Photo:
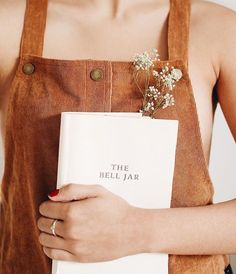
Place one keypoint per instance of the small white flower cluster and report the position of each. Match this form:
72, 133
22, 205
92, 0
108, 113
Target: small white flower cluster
149, 107
152, 93
151, 96
168, 76
169, 100
145, 60
153, 100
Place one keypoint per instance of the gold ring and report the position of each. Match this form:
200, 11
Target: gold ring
53, 227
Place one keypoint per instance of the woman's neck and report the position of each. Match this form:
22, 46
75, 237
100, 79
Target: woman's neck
110, 8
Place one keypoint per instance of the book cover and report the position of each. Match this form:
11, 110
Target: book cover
131, 156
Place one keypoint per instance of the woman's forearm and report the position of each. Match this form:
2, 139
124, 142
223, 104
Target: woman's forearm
90, 215
190, 231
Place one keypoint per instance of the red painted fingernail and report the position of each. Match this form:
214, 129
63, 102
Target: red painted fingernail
54, 193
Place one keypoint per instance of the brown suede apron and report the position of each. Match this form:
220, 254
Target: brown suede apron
43, 88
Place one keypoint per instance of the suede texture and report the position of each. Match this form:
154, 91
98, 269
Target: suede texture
32, 137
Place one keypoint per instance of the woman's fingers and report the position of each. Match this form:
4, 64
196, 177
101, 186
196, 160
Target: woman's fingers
58, 254
75, 192
54, 210
44, 224
52, 242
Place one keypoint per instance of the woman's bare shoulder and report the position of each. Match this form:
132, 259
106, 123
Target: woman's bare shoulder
10, 8
11, 25
212, 14
11, 17
210, 5
212, 30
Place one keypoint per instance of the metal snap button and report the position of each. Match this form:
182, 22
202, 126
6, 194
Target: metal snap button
96, 74
28, 68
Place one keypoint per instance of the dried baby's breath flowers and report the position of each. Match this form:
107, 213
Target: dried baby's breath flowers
145, 61
158, 95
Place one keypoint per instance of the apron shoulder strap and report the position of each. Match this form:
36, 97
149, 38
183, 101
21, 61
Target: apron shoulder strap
178, 30
34, 26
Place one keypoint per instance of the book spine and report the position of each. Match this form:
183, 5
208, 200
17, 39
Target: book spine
62, 157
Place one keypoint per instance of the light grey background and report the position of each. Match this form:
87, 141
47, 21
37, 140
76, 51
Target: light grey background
223, 154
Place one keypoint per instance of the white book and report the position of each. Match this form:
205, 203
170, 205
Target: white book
131, 156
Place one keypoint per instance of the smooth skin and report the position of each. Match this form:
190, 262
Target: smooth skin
91, 215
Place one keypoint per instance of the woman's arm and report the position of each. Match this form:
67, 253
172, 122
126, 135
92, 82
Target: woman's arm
192, 231
98, 218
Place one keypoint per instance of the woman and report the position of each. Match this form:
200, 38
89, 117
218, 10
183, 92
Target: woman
39, 85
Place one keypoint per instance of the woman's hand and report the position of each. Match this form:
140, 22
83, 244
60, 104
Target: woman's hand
94, 225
